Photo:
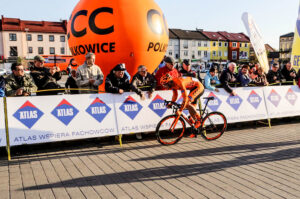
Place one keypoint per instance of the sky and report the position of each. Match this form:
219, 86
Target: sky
273, 17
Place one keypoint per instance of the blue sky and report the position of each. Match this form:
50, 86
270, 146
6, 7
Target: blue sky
274, 17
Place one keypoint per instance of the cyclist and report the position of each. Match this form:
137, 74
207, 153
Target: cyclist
189, 100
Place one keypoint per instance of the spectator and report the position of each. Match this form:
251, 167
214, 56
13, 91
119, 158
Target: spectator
186, 70
168, 68
45, 78
211, 79
243, 76
89, 76
143, 81
289, 73
69, 68
298, 77
274, 75
71, 82
18, 83
253, 71
117, 81
261, 79
227, 77
2, 86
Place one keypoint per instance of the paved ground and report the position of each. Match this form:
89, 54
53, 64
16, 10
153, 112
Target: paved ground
248, 163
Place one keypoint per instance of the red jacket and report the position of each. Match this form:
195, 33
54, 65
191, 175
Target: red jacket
161, 72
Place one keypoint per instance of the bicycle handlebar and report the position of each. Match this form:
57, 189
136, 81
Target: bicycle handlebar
174, 104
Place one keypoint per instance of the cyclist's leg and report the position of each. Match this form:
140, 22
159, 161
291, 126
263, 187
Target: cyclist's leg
193, 98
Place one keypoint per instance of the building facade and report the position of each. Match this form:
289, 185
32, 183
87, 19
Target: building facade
218, 46
26, 39
285, 47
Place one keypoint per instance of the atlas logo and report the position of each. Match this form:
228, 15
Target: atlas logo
131, 107
274, 98
98, 110
291, 97
254, 99
28, 114
214, 104
158, 106
65, 112
235, 102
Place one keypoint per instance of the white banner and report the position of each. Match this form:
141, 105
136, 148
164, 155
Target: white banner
256, 40
134, 115
2, 125
57, 118
282, 101
248, 105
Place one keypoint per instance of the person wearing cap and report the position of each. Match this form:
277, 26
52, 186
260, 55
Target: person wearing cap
117, 81
89, 76
211, 79
45, 78
186, 70
167, 69
18, 83
274, 76
143, 81
289, 73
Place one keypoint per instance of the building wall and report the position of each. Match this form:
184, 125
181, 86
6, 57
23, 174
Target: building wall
233, 49
245, 50
1, 44
285, 47
218, 52
22, 44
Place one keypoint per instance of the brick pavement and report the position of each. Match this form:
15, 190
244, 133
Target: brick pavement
247, 163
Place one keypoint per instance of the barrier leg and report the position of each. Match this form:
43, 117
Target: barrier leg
120, 140
269, 121
6, 130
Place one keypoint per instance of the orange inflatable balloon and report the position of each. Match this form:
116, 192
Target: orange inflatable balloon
133, 32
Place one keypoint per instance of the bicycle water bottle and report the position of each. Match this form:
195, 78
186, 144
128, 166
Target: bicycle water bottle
192, 121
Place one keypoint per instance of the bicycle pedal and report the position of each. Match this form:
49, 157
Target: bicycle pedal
193, 135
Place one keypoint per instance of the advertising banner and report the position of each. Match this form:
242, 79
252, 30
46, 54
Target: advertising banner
2, 125
282, 101
295, 59
134, 115
248, 105
57, 118
256, 40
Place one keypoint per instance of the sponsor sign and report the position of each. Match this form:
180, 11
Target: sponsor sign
57, 118
2, 125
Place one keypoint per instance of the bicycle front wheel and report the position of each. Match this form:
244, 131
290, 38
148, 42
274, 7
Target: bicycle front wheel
213, 126
170, 130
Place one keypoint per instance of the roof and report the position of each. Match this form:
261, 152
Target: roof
188, 34
269, 48
172, 35
14, 24
291, 34
235, 37
214, 36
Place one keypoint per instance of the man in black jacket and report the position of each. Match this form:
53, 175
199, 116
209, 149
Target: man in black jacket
228, 77
117, 81
289, 73
143, 81
45, 78
274, 76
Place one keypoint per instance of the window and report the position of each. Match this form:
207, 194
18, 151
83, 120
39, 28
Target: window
225, 44
199, 53
214, 53
234, 44
176, 56
186, 53
62, 50
246, 54
199, 44
220, 53
40, 37
52, 50
170, 53
193, 43
193, 55
29, 37
205, 53
170, 43
214, 44
246, 45
62, 38
29, 49
205, 44
41, 50
234, 55
185, 44
12, 37
225, 54
220, 44
51, 38
241, 45
13, 51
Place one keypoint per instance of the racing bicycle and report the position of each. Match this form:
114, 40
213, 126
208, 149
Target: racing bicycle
171, 128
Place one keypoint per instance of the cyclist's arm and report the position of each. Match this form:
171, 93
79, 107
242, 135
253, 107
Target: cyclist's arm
175, 95
185, 99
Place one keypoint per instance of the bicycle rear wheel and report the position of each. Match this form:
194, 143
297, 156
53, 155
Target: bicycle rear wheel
168, 131
213, 126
